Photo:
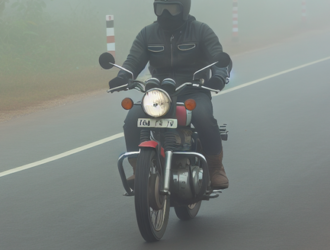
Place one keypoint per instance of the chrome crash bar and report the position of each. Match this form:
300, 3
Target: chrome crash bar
123, 177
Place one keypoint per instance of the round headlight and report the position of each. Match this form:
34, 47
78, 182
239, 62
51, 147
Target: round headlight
156, 103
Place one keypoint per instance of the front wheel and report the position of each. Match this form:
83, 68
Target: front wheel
188, 212
152, 209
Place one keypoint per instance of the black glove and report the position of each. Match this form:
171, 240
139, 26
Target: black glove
116, 82
215, 83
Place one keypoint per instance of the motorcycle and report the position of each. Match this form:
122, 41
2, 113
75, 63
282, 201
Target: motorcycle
171, 170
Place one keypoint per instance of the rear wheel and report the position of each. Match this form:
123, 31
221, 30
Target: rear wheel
152, 209
188, 212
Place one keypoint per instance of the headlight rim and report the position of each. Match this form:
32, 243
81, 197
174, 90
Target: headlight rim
160, 90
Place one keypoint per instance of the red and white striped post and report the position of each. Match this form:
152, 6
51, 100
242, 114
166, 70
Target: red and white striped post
111, 45
235, 20
304, 10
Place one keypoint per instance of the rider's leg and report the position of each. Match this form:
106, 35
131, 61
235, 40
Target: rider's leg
209, 134
132, 133
219, 179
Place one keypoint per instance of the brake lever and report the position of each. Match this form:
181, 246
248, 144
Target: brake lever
212, 90
117, 88
196, 84
200, 84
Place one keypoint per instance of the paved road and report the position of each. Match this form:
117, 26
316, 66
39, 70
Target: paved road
277, 160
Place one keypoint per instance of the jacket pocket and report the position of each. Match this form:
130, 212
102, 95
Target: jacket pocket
187, 46
187, 54
157, 55
156, 48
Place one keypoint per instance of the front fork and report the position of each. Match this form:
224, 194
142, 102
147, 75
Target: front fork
167, 173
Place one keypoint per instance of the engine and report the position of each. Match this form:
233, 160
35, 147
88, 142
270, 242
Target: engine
186, 179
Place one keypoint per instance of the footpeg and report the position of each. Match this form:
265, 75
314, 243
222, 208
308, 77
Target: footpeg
207, 197
214, 191
212, 194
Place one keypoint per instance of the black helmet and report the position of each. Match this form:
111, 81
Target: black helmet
175, 7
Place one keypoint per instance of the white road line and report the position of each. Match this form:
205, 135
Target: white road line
57, 157
271, 76
114, 137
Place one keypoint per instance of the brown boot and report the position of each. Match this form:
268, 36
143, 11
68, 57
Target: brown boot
131, 179
217, 172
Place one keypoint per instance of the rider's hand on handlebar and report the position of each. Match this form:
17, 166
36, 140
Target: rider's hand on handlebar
117, 82
215, 83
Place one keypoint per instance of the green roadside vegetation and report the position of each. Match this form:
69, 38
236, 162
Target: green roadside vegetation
41, 59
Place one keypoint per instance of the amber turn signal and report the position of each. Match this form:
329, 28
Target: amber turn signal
190, 104
127, 103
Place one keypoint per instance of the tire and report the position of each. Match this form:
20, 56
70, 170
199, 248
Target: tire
188, 212
152, 209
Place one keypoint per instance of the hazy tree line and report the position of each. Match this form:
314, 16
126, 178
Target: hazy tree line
32, 40
66, 35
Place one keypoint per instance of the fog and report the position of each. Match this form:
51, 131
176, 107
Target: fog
61, 133
42, 37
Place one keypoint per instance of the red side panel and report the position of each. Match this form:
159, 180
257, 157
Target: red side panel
181, 115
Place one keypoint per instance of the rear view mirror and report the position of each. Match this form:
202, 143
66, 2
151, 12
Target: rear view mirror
107, 60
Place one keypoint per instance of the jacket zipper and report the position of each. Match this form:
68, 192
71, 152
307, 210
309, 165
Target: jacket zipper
171, 40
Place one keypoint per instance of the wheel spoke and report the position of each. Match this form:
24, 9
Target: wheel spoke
157, 221
157, 217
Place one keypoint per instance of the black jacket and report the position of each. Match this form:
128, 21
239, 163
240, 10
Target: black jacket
176, 54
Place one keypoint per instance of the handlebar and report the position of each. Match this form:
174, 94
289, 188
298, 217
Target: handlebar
140, 86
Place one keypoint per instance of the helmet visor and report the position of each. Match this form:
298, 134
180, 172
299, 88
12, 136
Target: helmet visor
173, 8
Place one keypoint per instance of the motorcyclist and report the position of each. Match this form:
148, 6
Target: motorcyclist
176, 46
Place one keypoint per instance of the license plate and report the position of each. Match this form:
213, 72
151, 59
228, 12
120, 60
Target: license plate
157, 123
